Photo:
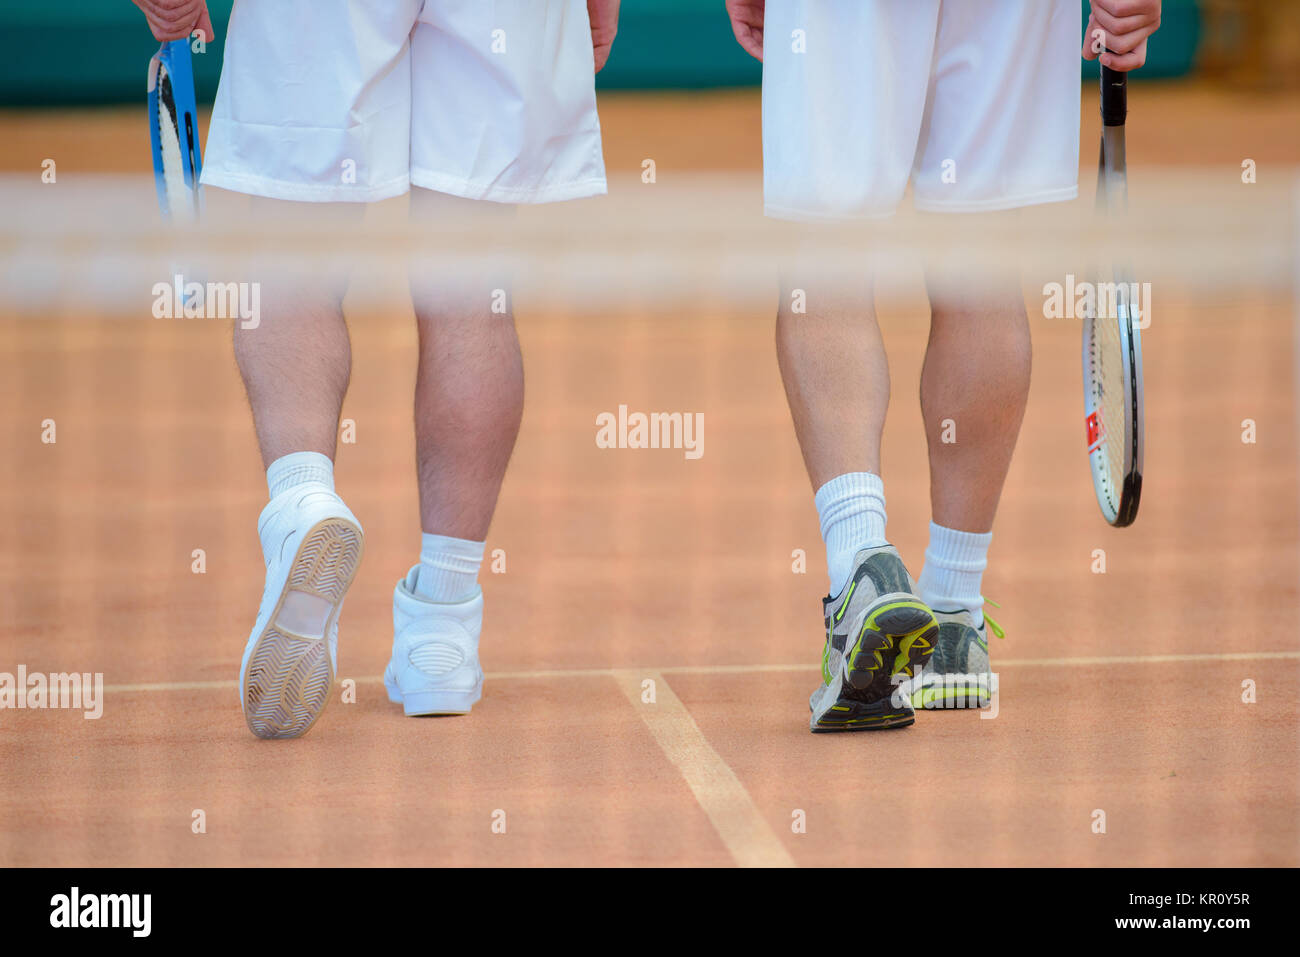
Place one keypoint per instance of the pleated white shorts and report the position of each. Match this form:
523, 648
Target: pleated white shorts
974, 102
357, 100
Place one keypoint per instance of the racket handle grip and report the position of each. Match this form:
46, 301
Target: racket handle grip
1114, 96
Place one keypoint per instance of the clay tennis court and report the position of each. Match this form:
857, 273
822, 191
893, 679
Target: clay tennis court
1120, 692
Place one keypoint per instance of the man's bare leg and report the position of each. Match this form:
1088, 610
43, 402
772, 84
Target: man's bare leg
469, 397
295, 363
974, 388
877, 631
297, 360
469, 390
976, 374
836, 377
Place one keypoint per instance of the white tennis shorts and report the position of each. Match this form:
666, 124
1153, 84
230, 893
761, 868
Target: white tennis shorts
357, 100
976, 102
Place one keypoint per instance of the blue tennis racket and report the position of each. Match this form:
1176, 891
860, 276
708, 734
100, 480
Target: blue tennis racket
177, 154
174, 132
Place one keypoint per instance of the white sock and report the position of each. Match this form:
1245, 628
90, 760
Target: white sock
448, 568
852, 512
297, 468
954, 565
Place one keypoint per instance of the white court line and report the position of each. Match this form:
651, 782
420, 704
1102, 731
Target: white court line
740, 824
1081, 662
1145, 659
1295, 328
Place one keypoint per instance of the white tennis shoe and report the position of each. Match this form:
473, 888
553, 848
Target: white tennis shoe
434, 668
312, 545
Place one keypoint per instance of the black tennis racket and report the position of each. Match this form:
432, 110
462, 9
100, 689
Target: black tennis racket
1112, 338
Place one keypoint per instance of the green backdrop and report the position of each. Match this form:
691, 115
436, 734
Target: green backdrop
95, 51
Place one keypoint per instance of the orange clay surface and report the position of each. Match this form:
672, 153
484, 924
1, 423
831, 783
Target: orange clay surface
1120, 692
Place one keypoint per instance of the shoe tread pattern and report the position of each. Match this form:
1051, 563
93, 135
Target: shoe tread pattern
865, 699
288, 678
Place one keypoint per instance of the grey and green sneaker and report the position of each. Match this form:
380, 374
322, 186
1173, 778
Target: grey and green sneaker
958, 674
877, 634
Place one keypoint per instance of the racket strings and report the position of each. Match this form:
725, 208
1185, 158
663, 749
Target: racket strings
1110, 383
1106, 387
180, 199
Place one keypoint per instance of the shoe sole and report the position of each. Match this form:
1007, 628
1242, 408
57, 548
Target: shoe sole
896, 628
289, 675
849, 715
955, 696
426, 703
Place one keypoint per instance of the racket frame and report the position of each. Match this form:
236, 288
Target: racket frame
171, 87
174, 61
1117, 496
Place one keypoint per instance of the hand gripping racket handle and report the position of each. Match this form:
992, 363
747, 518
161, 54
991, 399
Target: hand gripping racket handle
1114, 96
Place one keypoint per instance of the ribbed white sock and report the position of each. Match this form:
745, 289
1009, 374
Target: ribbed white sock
852, 512
297, 468
448, 568
954, 566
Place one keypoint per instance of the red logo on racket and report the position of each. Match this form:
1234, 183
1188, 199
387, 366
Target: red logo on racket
1095, 431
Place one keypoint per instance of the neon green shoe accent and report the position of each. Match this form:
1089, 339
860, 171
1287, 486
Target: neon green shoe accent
993, 625
903, 662
858, 651
906, 603
924, 697
844, 605
875, 718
